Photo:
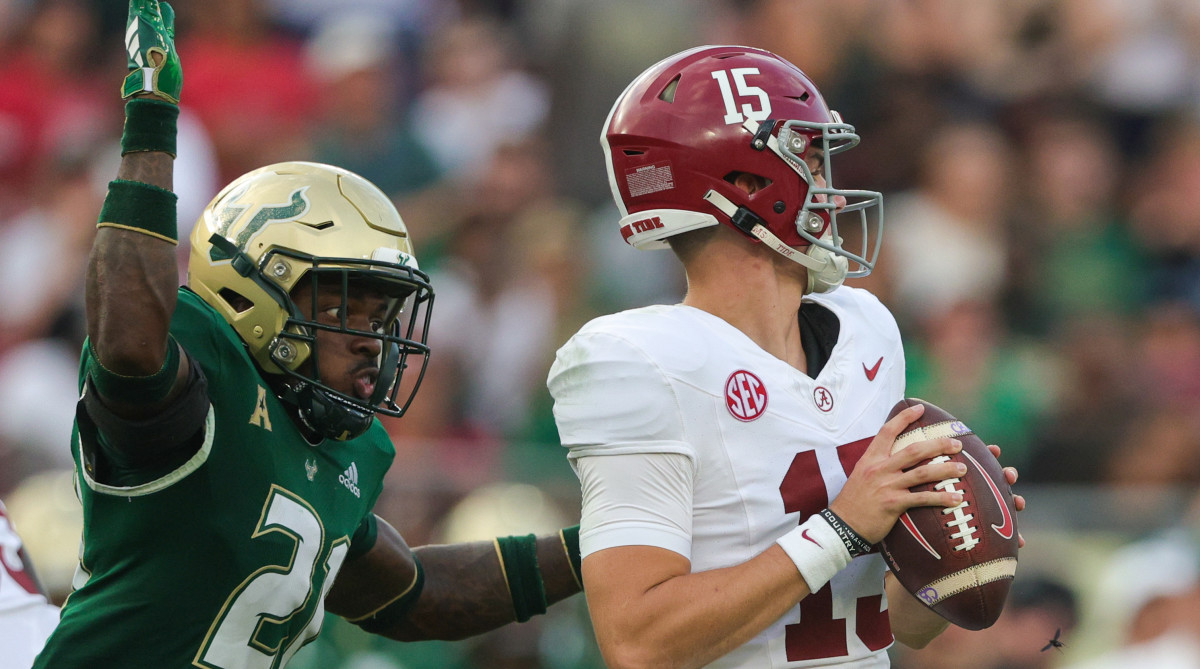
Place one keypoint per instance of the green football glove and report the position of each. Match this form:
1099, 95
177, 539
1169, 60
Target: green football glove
153, 61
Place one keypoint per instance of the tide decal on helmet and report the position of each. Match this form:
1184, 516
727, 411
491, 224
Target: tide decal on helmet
296, 206
640, 226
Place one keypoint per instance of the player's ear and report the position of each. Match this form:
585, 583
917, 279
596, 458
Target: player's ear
750, 183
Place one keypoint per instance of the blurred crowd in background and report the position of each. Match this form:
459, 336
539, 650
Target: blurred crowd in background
1040, 161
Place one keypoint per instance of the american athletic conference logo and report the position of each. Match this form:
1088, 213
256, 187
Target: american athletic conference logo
745, 395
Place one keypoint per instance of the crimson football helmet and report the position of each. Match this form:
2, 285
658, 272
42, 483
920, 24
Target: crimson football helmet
685, 127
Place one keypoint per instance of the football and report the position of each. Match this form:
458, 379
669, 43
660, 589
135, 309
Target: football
959, 561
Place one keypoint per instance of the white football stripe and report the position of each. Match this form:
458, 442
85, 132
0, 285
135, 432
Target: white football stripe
948, 428
133, 44
971, 577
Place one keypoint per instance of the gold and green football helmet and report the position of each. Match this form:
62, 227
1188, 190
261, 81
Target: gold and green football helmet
290, 222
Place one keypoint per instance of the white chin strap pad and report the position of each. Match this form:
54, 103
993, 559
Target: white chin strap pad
831, 275
826, 269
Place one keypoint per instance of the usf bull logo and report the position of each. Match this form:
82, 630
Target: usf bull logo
232, 212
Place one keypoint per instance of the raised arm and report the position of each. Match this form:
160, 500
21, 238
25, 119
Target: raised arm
132, 276
458, 590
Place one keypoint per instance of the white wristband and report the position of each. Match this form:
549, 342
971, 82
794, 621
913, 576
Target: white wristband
817, 550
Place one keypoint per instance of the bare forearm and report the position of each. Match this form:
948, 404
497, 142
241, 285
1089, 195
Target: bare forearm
131, 283
466, 593
913, 623
689, 620
150, 167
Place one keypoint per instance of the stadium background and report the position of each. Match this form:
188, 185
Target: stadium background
1041, 166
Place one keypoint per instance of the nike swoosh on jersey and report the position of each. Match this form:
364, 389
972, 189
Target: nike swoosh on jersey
1006, 529
872, 371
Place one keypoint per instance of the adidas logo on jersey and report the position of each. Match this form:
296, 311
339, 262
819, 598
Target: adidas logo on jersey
349, 478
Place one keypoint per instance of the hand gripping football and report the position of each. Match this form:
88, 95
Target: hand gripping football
959, 561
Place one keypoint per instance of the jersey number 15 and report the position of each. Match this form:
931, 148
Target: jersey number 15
819, 635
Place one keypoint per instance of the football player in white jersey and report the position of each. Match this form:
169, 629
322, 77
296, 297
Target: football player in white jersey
732, 450
26, 615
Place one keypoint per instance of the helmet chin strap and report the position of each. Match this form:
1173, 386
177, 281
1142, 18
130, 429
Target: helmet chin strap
330, 416
832, 274
826, 269
326, 415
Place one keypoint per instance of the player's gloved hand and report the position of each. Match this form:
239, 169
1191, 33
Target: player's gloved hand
153, 62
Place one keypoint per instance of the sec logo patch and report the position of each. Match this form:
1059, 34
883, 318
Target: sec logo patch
745, 395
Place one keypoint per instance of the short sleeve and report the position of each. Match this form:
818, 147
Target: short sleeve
611, 398
364, 537
636, 499
205, 335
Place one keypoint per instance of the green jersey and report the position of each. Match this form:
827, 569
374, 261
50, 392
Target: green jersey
224, 561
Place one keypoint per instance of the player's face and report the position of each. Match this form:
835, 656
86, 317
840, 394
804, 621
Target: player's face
816, 164
347, 362
815, 160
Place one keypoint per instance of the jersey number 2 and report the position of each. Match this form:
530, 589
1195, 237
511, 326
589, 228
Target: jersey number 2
819, 635
252, 630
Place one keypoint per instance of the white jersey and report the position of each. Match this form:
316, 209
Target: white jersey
26, 618
764, 447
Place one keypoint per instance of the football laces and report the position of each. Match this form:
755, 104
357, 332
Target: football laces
961, 520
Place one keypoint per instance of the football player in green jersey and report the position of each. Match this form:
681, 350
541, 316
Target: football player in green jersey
226, 442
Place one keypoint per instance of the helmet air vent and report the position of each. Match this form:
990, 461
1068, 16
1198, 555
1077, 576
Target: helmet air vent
235, 300
319, 226
668, 92
762, 181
